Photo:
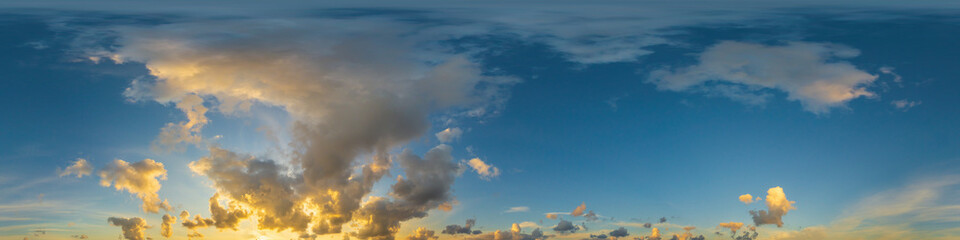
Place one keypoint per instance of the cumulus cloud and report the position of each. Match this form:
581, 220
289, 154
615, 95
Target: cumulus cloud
579, 210
449, 135
140, 178
422, 234
810, 73
551, 216
132, 227
663, 219
486, 171
427, 185
465, 229
79, 167
517, 209
777, 207
619, 232
733, 226
654, 234
566, 227
165, 225
746, 198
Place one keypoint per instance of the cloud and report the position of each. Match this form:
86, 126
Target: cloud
565, 227
904, 104
663, 219
810, 73
579, 210
165, 229
132, 227
486, 171
449, 135
183, 132
197, 222
591, 216
81, 236
427, 185
551, 216
518, 209
352, 87
422, 234
529, 225
777, 207
923, 209
746, 198
465, 229
140, 178
654, 234
733, 226
620, 232
80, 167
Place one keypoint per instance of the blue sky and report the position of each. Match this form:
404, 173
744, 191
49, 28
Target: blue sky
638, 110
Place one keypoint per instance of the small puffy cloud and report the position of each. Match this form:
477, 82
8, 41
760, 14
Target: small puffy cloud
565, 227
620, 232
422, 234
449, 135
647, 225
165, 225
518, 209
809, 73
777, 207
663, 219
551, 216
579, 210
654, 234
140, 178
746, 198
465, 229
733, 226
486, 171
80, 167
132, 227
904, 104
515, 228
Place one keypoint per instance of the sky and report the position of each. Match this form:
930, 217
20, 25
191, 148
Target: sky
479, 120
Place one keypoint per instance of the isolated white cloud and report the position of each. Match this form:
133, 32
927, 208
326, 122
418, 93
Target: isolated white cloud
810, 73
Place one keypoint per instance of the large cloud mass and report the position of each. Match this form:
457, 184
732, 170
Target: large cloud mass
354, 90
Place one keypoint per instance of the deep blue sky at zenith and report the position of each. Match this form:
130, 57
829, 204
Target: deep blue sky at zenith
569, 131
